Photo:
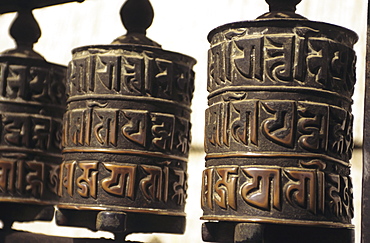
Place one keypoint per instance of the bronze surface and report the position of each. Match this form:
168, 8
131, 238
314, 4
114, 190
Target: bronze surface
278, 132
32, 105
126, 133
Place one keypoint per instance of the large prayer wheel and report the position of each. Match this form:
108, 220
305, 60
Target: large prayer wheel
279, 125
127, 133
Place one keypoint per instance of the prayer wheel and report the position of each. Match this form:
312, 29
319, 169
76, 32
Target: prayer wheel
32, 105
126, 133
278, 132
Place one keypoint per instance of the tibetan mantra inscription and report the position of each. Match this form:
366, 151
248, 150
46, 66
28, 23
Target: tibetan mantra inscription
279, 124
32, 106
164, 183
127, 130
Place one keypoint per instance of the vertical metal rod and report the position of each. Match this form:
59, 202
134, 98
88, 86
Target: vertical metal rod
365, 219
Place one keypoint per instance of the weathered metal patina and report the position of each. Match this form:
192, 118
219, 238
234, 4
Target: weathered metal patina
32, 105
127, 133
279, 129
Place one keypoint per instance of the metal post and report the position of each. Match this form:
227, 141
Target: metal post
365, 209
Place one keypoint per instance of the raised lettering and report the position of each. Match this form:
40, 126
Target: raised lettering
225, 187
179, 187
7, 176
87, 182
250, 65
163, 130
136, 129
263, 188
207, 188
280, 127
301, 190
121, 181
279, 58
35, 178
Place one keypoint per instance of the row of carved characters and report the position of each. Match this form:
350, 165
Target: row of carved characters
302, 59
30, 132
271, 189
28, 179
108, 181
126, 128
31, 83
136, 75
270, 125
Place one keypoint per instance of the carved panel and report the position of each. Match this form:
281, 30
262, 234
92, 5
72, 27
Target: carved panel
262, 191
22, 179
135, 73
279, 125
37, 81
32, 106
122, 184
304, 57
126, 128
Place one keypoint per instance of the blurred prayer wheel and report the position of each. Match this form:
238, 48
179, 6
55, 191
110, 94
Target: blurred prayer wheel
127, 133
32, 105
279, 127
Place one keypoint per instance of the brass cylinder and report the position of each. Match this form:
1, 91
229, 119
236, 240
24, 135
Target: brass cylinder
279, 123
32, 105
126, 137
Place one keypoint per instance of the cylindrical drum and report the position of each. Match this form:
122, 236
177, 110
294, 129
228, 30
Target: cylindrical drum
126, 137
279, 123
32, 104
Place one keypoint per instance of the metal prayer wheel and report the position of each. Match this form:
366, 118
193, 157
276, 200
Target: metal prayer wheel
32, 105
278, 132
126, 133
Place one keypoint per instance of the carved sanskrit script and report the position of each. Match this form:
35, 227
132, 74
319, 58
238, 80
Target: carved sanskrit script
27, 178
32, 83
276, 189
128, 181
303, 58
30, 131
137, 74
107, 127
291, 125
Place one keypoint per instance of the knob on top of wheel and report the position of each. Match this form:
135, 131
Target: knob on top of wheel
282, 9
137, 16
26, 32
283, 5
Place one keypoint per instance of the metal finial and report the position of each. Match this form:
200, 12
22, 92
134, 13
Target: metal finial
282, 9
283, 5
137, 16
26, 32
